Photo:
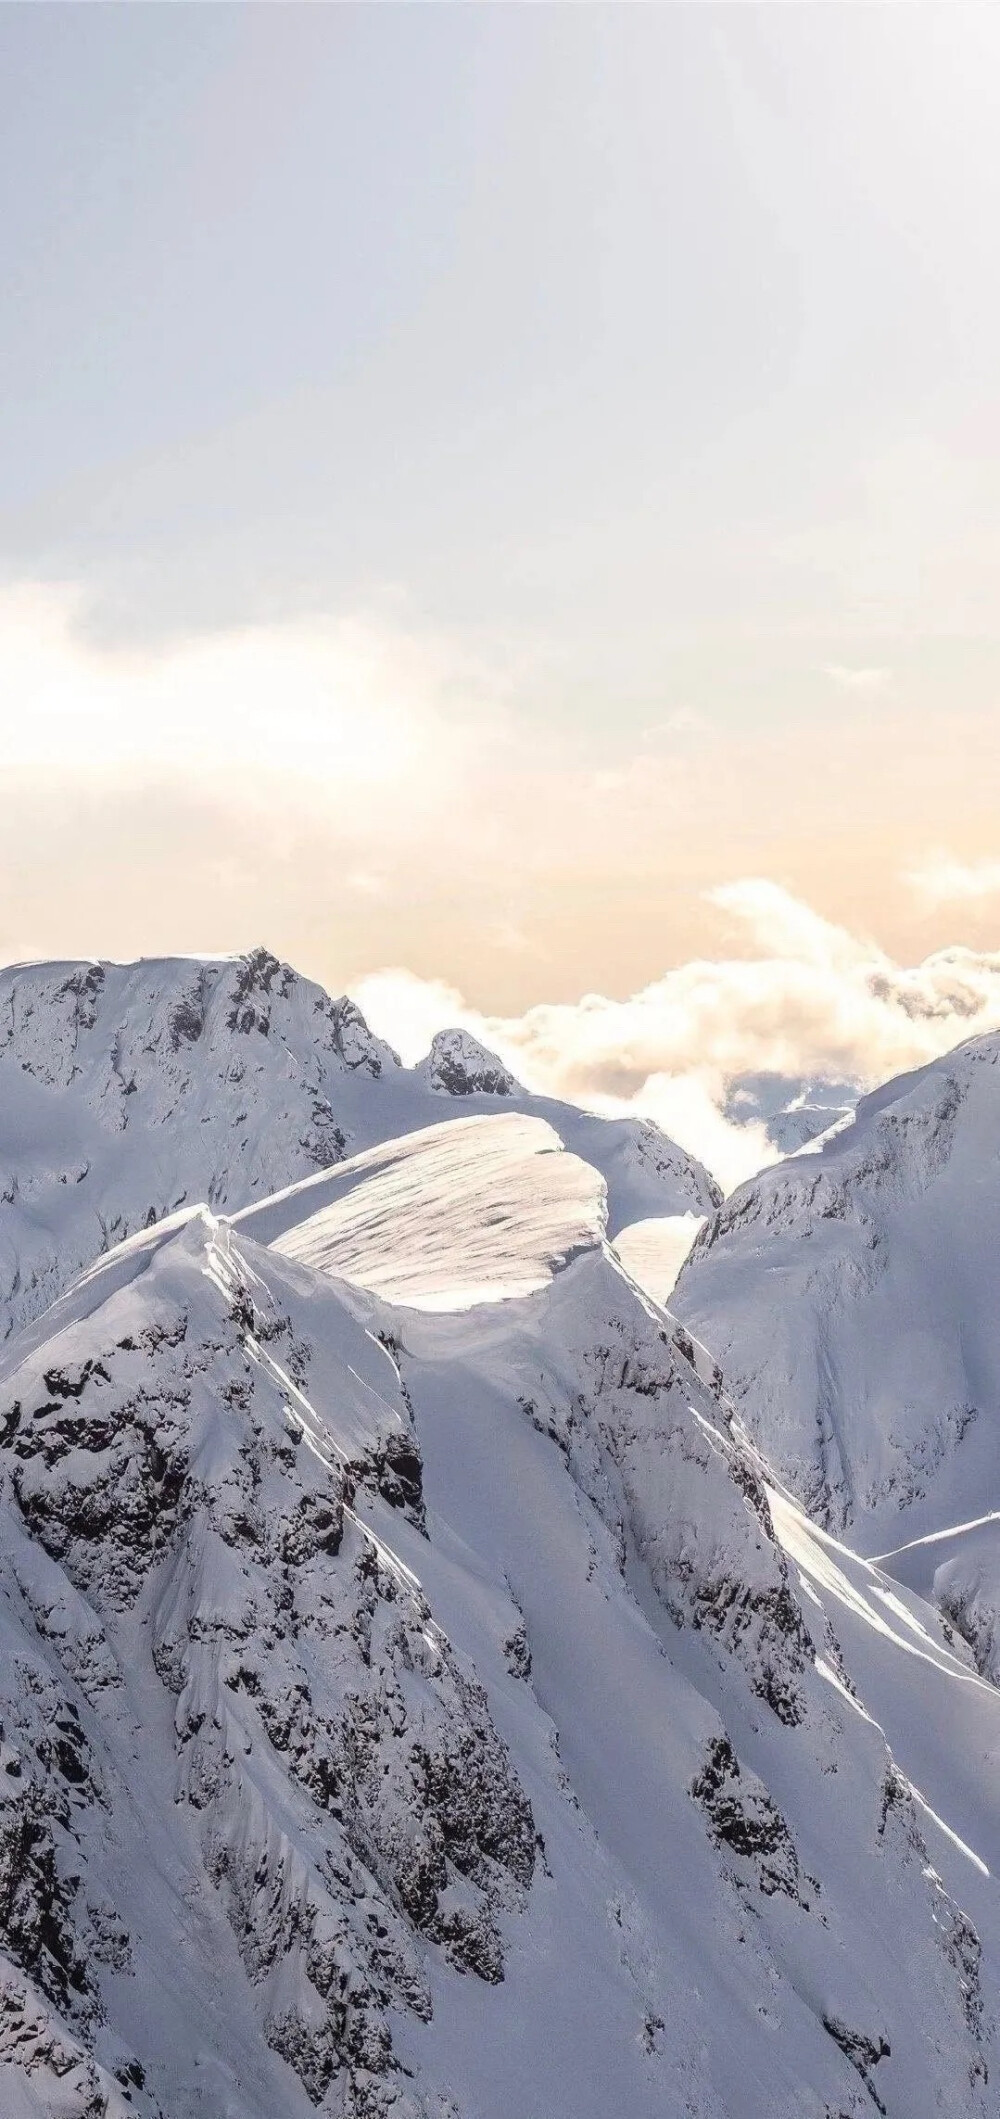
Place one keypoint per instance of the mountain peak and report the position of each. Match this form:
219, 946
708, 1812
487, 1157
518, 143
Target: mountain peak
458, 1065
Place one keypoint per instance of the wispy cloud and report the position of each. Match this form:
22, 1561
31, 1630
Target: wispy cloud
415, 1008
941, 880
366, 883
358, 795
318, 705
852, 677
680, 721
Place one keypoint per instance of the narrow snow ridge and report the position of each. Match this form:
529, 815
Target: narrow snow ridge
455, 1215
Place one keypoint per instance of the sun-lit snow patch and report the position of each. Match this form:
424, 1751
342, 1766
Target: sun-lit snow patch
653, 1251
477, 1210
962, 1845
855, 1585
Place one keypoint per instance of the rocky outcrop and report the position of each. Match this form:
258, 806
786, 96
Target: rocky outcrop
458, 1065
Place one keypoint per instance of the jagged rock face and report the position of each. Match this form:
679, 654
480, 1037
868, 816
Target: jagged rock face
458, 1065
129, 1030
846, 1294
181, 1518
646, 1148
743, 1819
651, 1442
128, 1090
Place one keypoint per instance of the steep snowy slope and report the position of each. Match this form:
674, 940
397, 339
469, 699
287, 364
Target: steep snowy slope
128, 1090
409, 1709
941, 1719
851, 1297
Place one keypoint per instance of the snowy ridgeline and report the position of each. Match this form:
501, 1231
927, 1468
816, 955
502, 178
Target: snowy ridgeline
128, 1091
409, 1706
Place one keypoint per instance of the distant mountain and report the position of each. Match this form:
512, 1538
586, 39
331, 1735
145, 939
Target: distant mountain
127, 1091
793, 1109
409, 1710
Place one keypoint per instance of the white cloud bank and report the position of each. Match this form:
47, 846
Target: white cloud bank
813, 1000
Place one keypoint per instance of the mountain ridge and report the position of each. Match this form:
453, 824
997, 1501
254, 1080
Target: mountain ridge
127, 1090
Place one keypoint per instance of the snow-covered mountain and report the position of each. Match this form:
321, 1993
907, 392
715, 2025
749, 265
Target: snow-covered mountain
409, 1707
420, 1696
127, 1091
850, 1296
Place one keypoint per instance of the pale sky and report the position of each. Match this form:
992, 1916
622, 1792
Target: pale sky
474, 480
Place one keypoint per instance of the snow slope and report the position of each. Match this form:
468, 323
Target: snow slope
409, 1709
654, 1251
851, 1297
446, 1218
127, 1091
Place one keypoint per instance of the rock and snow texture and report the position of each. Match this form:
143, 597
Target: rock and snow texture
851, 1297
458, 1065
247, 1784
408, 1707
128, 1091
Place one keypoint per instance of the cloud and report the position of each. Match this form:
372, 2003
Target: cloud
416, 1008
680, 721
943, 881
513, 939
365, 883
852, 677
815, 1001
782, 926
306, 707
